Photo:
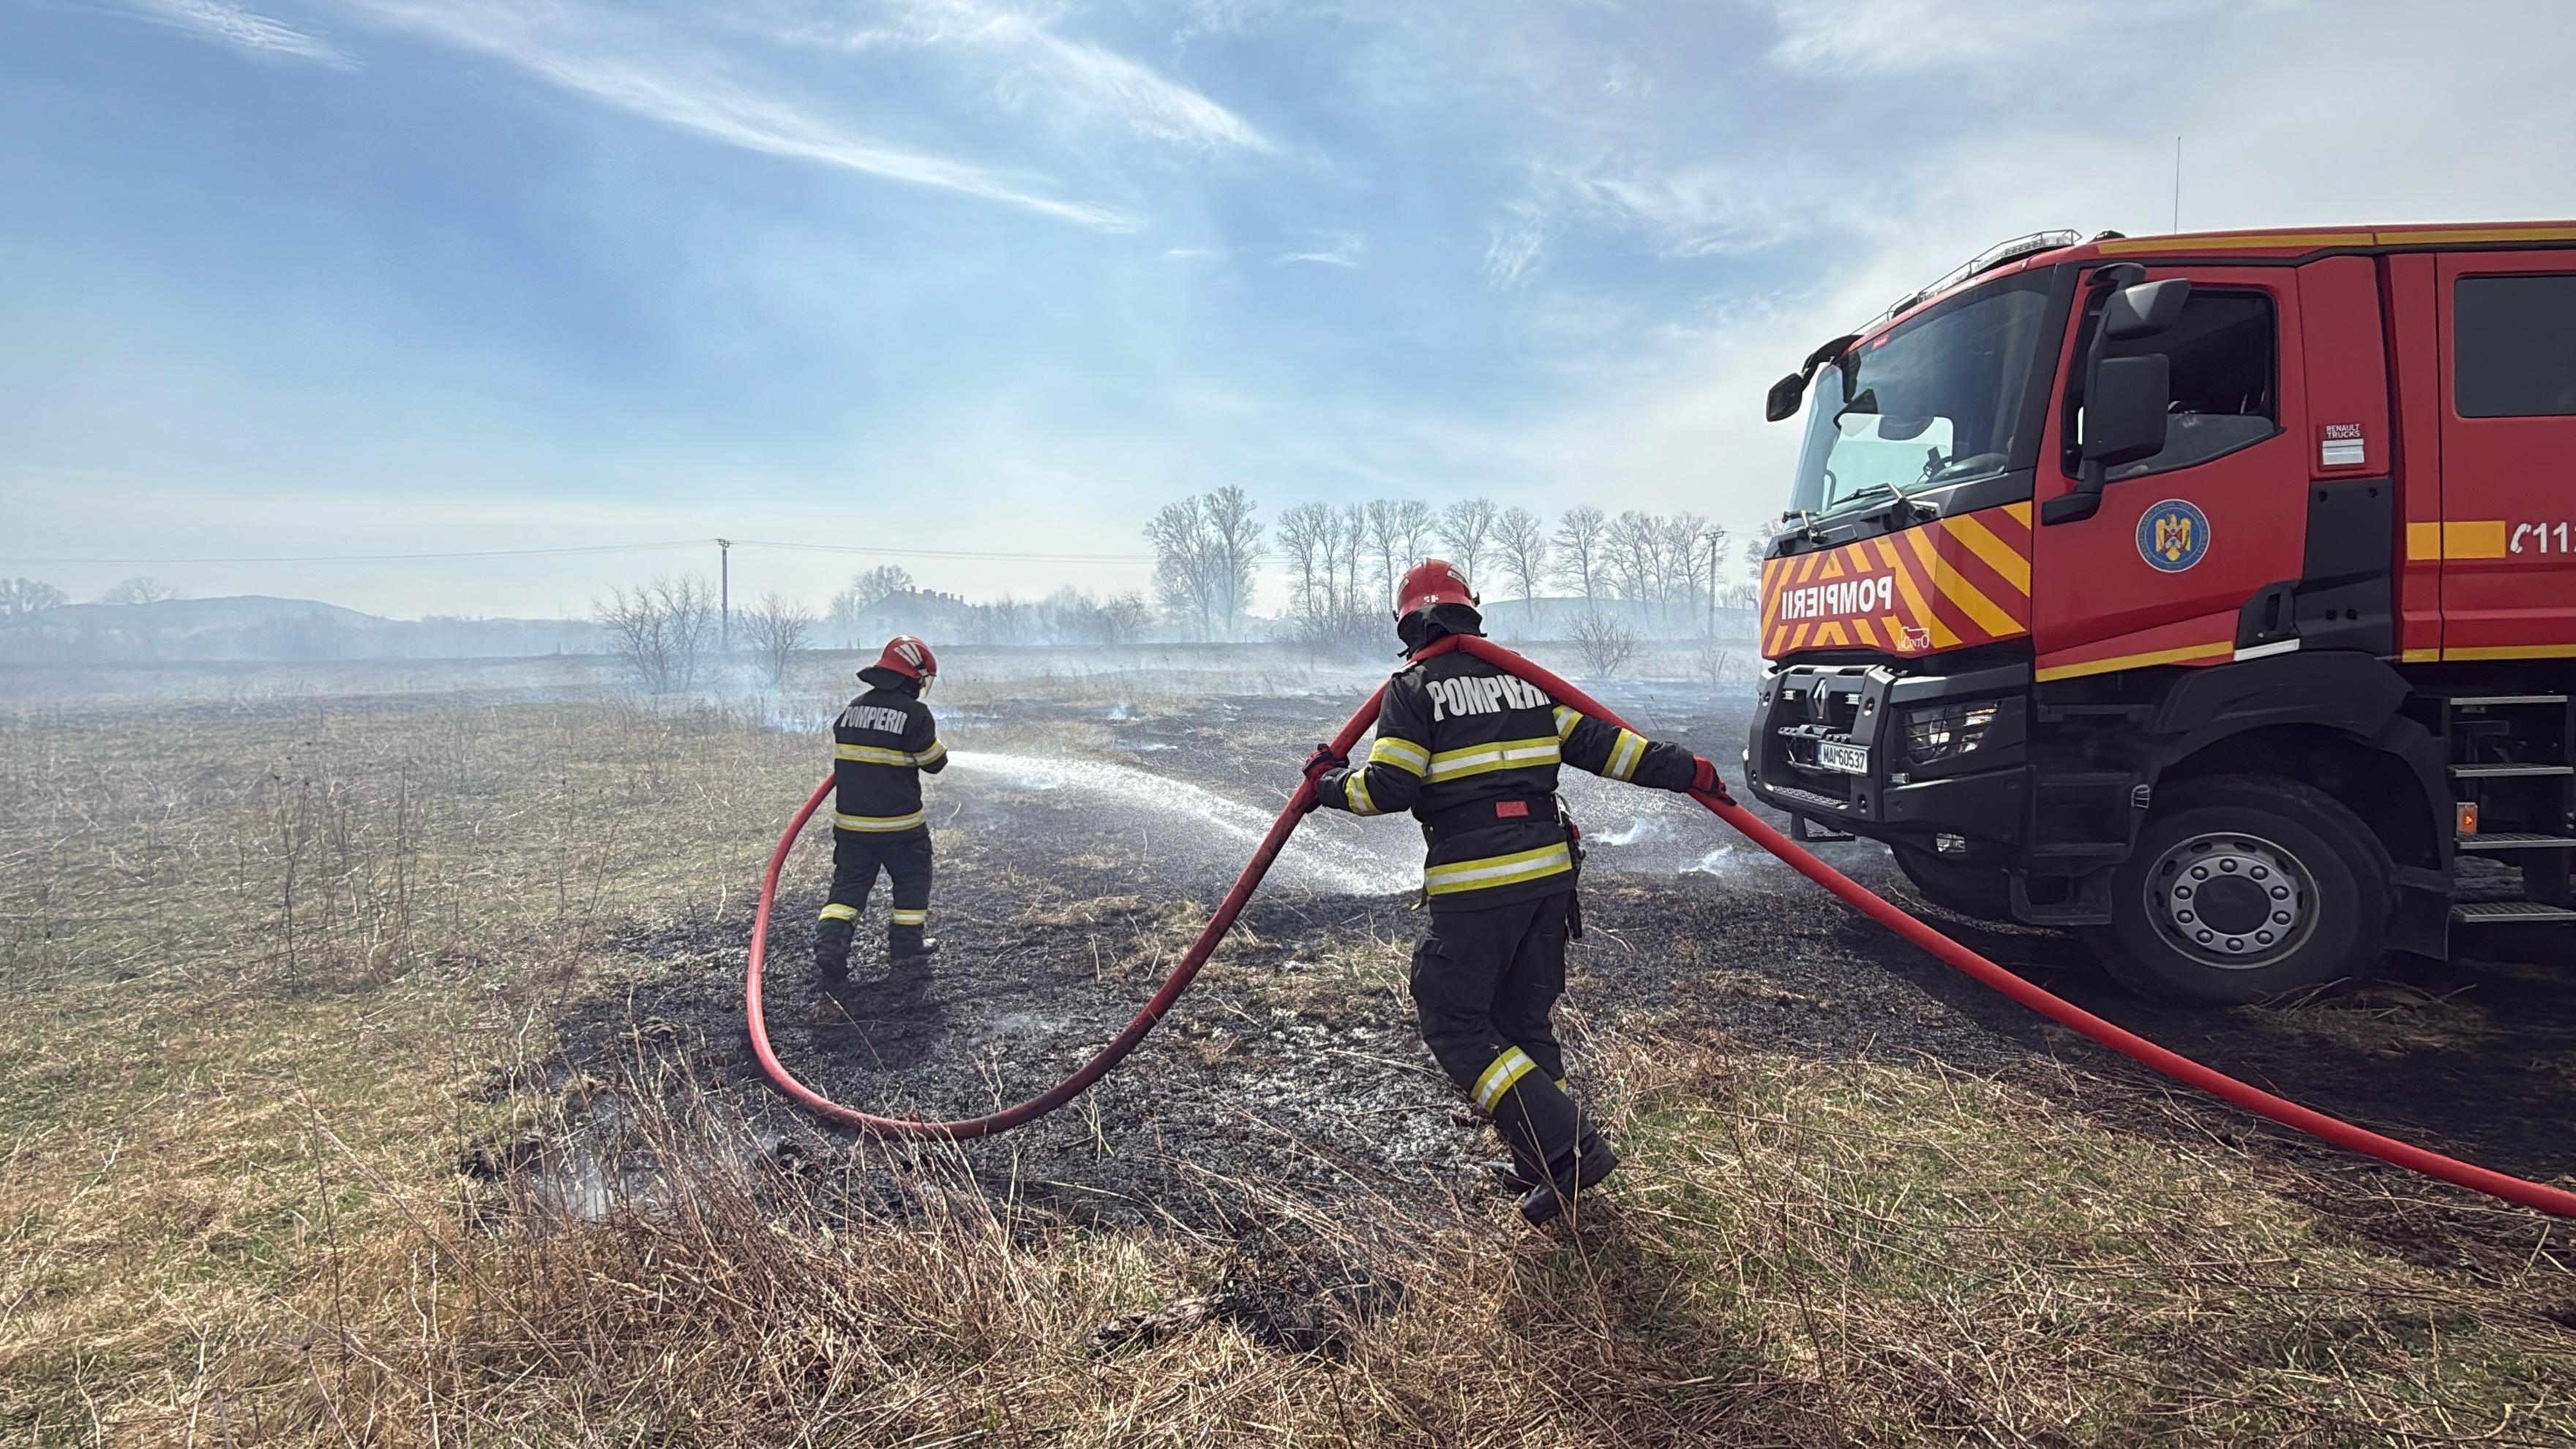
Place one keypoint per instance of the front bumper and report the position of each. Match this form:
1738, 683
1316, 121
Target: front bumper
1979, 796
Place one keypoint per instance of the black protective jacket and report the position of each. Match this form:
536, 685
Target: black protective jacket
880, 746
1472, 751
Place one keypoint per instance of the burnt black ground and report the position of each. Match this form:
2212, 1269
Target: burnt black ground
1065, 894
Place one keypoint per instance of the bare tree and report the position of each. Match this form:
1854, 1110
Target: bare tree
866, 590
1308, 534
1466, 528
1234, 537
1520, 536
778, 631
1605, 644
1123, 618
1397, 530
1328, 610
1005, 620
1578, 549
1632, 555
661, 629
1179, 534
1413, 519
140, 589
1386, 541
24, 598
1354, 548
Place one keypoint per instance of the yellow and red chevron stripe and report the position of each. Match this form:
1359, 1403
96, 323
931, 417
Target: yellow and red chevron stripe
1941, 585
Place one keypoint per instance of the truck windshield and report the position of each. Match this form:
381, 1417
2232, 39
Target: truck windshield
1932, 402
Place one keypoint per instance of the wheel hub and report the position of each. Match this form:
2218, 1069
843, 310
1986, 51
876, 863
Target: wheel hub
2234, 901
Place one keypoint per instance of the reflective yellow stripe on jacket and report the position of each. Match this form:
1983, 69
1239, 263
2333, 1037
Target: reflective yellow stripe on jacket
1355, 794
875, 824
1625, 755
1497, 870
1500, 755
876, 755
1404, 755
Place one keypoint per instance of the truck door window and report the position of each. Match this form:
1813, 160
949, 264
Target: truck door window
2226, 364
2514, 346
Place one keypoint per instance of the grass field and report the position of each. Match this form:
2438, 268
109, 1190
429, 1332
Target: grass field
287, 986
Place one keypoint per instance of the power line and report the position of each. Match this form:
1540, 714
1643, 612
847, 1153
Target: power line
976, 554
602, 548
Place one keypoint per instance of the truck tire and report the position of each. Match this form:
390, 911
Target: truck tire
1981, 893
2243, 887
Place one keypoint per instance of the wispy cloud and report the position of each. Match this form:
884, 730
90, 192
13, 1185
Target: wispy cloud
242, 29
1515, 243
1901, 37
1150, 103
667, 84
1331, 249
1037, 67
1677, 213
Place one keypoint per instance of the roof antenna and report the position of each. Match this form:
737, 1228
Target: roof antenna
2177, 217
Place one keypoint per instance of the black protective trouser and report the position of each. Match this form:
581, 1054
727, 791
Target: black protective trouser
857, 856
1484, 982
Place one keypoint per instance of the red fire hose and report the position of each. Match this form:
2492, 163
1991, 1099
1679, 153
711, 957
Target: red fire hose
2129, 1044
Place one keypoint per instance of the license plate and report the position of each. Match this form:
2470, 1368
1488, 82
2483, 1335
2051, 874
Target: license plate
1849, 759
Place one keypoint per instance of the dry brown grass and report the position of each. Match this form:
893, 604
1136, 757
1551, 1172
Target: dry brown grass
232, 1212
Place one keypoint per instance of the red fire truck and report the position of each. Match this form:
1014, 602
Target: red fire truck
2212, 594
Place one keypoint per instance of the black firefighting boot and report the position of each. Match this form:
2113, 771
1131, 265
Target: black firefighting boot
1581, 1169
1516, 1174
1535, 1119
832, 948
907, 948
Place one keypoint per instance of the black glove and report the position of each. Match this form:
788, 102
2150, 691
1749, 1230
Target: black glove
1704, 779
1325, 758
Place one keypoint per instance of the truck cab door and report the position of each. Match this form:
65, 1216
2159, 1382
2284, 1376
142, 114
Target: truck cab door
2507, 538
2161, 574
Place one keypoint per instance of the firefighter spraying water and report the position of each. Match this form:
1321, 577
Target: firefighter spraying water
1472, 751
880, 745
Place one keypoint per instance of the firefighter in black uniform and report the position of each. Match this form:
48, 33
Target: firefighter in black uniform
1473, 752
880, 746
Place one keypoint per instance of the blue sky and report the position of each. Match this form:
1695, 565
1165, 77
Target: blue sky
332, 276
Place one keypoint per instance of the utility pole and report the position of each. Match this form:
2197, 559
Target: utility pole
724, 594
1713, 541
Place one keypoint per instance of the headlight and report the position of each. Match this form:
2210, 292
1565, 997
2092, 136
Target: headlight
1942, 731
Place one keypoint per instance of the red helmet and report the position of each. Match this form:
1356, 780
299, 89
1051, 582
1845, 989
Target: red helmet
1432, 581
908, 656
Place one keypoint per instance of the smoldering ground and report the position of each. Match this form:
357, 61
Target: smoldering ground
1082, 842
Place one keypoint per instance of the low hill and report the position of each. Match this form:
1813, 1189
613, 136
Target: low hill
260, 627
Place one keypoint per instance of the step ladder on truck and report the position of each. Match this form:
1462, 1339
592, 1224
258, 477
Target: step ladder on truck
2211, 595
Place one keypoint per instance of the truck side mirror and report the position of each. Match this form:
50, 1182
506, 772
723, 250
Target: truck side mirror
2124, 415
1782, 403
2125, 398
2145, 309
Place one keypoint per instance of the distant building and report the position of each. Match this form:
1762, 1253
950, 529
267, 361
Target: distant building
925, 612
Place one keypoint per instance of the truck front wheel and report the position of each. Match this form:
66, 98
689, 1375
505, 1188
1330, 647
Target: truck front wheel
2246, 886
